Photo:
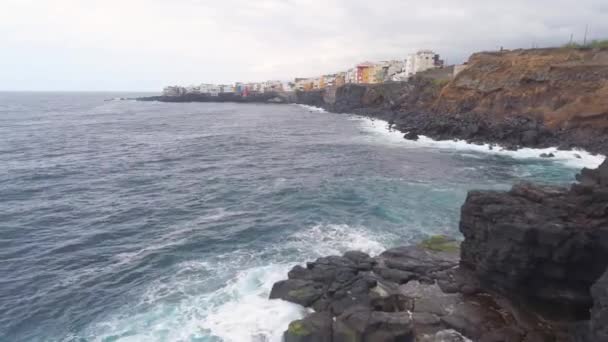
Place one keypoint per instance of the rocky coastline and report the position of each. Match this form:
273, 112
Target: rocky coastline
522, 98
533, 266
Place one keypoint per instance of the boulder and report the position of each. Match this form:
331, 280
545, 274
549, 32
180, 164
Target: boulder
303, 292
411, 135
544, 246
360, 324
316, 327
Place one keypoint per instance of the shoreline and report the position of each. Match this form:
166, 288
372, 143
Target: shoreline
544, 280
576, 158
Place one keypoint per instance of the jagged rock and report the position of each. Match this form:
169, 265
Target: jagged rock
599, 313
543, 245
418, 260
360, 324
316, 327
525, 250
411, 135
593, 177
303, 292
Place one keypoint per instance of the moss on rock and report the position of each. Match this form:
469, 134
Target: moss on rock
297, 328
440, 243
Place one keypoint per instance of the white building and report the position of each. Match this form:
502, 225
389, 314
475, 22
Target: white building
273, 86
351, 76
205, 88
225, 88
214, 90
421, 61
174, 91
193, 89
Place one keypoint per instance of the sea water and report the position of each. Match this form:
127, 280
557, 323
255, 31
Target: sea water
147, 221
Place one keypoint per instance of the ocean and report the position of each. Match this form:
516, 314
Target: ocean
147, 221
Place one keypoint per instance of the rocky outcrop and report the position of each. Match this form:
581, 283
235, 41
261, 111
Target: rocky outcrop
415, 293
544, 245
563, 88
532, 98
533, 266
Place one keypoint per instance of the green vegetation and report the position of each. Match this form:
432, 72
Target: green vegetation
298, 329
440, 243
594, 44
440, 83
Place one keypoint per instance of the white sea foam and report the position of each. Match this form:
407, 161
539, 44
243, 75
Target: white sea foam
312, 108
328, 239
249, 315
191, 305
572, 158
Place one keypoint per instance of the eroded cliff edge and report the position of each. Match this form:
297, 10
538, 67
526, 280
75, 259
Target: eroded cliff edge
534, 98
532, 267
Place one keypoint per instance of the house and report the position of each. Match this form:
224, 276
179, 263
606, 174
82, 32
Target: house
329, 80
303, 84
378, 72
214, 90
273, 86
193, 89
365, 72
351, 76
340, 79
205, 88
317, 82
225, 88
421, 61
174, 91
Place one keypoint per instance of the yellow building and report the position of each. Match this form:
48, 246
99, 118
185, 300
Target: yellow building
365, 72
340, 79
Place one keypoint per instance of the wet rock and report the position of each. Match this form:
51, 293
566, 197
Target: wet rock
417, 260
362, 324
303, 292
547, 155
411, 135
316, 327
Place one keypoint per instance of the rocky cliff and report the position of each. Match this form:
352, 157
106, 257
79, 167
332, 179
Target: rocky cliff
532, 268
563, 88
537, 98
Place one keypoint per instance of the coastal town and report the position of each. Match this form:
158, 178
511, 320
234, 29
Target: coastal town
362, 73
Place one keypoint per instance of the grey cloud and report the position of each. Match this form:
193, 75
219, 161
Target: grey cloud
188, 41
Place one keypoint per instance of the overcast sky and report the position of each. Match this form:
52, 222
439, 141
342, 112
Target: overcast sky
146, 44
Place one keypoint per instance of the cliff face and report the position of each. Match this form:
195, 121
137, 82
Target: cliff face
564, 88
534, 98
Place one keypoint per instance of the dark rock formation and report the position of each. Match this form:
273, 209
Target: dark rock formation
599, 313
531, 98
543, 245
414, 293
533, 267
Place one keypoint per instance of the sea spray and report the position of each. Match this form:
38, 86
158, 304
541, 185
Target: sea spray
570, 158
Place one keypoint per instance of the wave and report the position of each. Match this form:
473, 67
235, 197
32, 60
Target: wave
570, 158
225, 297
312, 108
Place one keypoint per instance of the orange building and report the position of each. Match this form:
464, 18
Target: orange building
365, 72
